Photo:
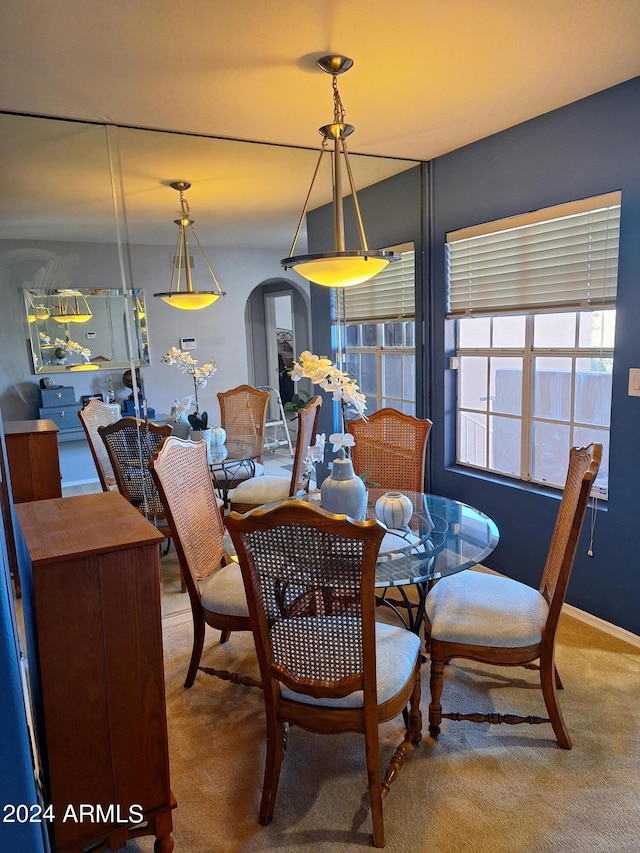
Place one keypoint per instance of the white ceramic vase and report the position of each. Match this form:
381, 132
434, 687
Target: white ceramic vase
203, 435
394, 510
343, 492
181, 426
218, 436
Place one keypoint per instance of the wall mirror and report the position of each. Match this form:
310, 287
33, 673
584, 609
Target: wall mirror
84, 329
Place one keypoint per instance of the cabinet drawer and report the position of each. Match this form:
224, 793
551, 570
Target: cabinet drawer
63, 396
64, 417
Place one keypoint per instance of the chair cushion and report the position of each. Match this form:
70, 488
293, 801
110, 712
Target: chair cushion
396, 652
223, 592
262, 490
486, 610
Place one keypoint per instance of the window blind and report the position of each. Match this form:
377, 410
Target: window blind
390, 295
564, 257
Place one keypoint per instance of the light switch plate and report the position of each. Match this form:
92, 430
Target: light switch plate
634, 381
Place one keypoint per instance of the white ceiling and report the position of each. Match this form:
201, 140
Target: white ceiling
429, 76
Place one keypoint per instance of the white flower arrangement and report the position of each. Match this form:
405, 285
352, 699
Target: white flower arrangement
322, 371
67, 345
45, 340
200, 375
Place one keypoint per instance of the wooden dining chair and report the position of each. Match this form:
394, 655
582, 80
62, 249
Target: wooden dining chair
130, 444
269, 488
390, 449
243, 411
497, 620
95, 414
325, 664
180, 470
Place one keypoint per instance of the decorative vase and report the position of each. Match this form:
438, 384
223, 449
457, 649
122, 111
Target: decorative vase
218, 436
181, 426
203, 435
394, 510
342, 492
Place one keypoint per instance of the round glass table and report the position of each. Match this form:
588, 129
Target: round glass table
443, 536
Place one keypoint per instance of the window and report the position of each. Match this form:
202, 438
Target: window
375, 329
534, 300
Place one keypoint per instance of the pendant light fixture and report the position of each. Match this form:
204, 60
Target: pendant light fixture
71, 306
340, 268
187, 299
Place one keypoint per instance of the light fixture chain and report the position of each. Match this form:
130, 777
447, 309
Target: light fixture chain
339, 112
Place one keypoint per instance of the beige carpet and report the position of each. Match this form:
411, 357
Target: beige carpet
478, 788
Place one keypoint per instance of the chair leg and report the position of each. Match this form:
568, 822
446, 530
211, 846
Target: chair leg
435, 708
196, 654
225, 633
372, 746
276, 743
559, 685
548, 676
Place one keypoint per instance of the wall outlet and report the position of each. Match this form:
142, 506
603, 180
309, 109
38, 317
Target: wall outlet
634, 382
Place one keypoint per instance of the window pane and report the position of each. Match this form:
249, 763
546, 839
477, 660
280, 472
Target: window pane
581, 438
410, 333
509, 331
593, 390
554, 330
472, 382
392, 375
552, 388
506, 385
353, 365
369, 334
409, 409
353, 335
474, 332
409, 378
597, 329
472, 437
504, 445
368, 378
550, 453
392, 335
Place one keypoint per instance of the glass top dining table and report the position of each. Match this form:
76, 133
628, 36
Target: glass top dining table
444, 536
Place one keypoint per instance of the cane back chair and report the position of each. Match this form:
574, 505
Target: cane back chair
181, 473
325, 664
130, 444
390, 449
497, 620
95, 414
243, 411
269, 488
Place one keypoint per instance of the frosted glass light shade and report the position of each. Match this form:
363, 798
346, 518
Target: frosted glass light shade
340, 269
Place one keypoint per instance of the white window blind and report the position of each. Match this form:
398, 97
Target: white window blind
388, 296
563, 257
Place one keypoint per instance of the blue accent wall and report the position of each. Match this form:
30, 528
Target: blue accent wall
587, 148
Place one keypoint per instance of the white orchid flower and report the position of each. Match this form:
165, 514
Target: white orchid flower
341, 439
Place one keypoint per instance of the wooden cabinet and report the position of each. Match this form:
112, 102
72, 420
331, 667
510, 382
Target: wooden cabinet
32, 456
93, 578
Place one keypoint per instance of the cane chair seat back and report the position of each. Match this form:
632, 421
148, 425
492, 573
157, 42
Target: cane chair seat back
243, 410
497, 620
267, 489
325, 665
180, 470
390, 449
130, 444
95, 414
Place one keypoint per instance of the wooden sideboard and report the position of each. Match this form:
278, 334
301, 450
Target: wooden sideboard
92, 588
32, 456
